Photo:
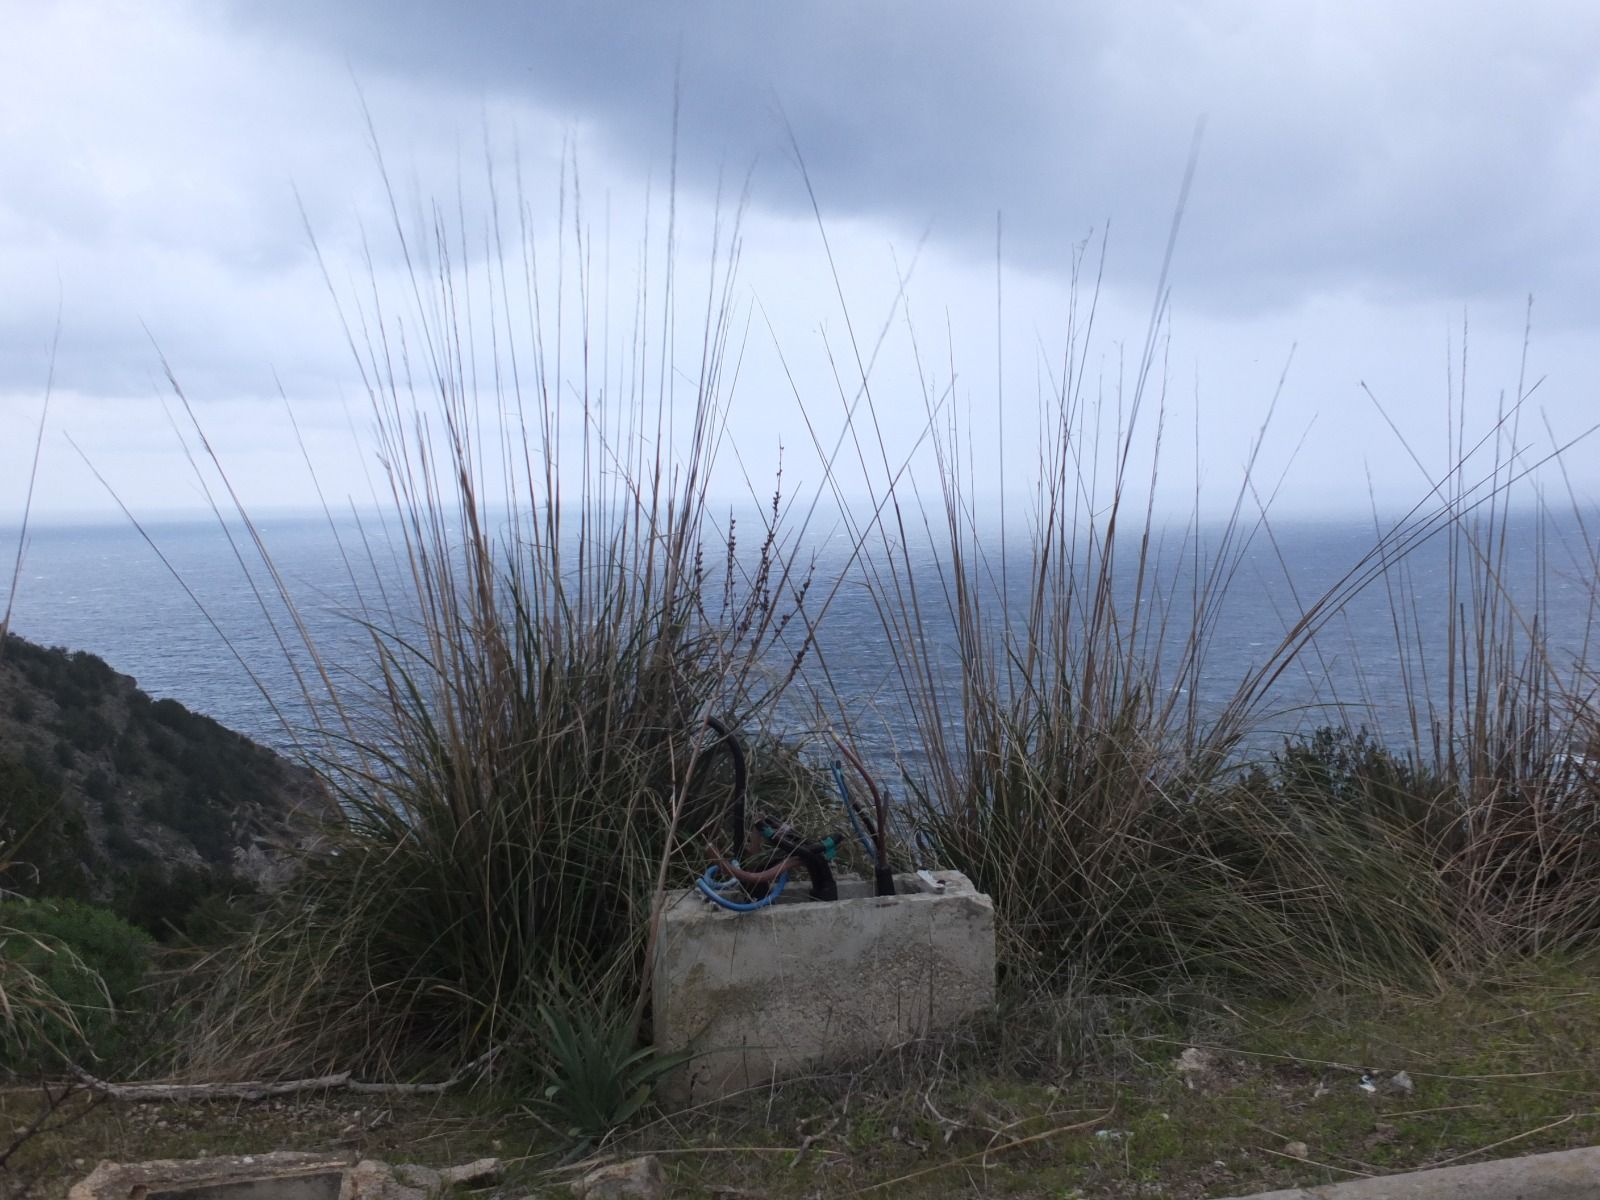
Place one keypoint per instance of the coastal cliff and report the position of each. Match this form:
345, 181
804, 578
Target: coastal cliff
139, 804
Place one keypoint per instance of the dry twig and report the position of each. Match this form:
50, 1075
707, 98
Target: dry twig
984, 1154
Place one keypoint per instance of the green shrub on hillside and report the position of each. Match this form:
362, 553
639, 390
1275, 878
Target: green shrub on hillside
199, 904
1352, 769
89, 958
85, 728
190, 811
128, 755
72, 680
46, 841
98, 787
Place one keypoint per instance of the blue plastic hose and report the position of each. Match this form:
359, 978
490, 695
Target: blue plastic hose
711, 890
850, 811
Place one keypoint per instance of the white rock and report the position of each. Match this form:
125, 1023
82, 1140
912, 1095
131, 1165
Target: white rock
1194, 1064
635, 1179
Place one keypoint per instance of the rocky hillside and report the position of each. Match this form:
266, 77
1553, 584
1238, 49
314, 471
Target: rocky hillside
140, 804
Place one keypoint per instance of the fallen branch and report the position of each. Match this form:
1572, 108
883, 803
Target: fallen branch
180, 1093
183, 1093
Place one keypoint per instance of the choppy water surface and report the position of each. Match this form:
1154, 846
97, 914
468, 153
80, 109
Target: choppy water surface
191, 622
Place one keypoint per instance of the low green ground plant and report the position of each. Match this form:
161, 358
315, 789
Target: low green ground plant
596, 1075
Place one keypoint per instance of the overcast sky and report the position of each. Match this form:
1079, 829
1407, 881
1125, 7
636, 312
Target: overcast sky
1372, 177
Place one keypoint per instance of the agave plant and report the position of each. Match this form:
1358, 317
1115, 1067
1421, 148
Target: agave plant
600, 1077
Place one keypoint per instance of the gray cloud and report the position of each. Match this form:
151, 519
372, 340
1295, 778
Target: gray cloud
1369, 170
1425, 151
156, 197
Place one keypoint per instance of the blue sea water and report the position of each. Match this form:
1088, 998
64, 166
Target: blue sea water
188, 609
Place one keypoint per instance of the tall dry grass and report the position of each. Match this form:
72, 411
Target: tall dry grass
1504, 725
27, 496
521, 770
31, 1012
1051, 668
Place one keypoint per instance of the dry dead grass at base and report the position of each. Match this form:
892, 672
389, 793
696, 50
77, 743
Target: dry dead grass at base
1266, 1099
1087, 1097
433, 1130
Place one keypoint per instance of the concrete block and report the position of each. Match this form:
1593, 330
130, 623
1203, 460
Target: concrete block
763, 995
282, 1175
1559, 1175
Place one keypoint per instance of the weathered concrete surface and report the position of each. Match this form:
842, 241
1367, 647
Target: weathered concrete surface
284, 1175
635, 1179
762, 995
372, 1180
1563, 1175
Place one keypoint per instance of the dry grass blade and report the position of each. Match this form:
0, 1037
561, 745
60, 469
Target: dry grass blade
985, 1154
1525, 1134
1311, 1162
33, 479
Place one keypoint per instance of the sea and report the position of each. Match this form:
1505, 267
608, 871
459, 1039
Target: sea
192, 610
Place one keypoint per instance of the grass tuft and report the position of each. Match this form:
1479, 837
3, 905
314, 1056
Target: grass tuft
521, 769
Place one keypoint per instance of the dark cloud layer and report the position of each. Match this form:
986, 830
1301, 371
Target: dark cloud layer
1370, 171
1418, 151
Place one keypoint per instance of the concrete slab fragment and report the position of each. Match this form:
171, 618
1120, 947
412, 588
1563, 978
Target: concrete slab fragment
283, 1175
1562, 1175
